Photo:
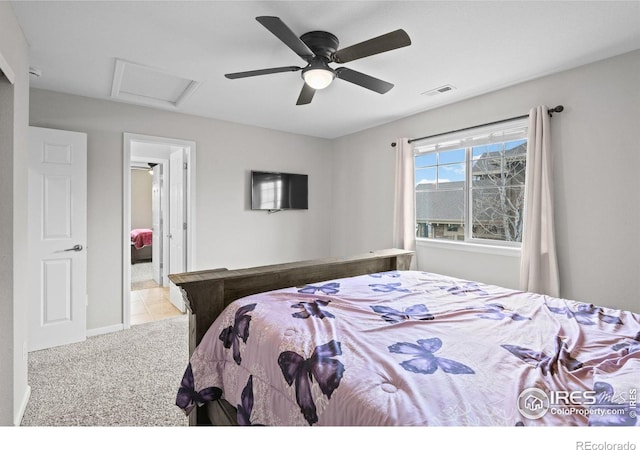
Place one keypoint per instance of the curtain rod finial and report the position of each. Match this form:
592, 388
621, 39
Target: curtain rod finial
557, 109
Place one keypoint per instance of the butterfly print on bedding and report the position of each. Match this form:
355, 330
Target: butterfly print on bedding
328, 288
188, 398
415, 312
585, 314
548, 364
246, 406
615, 413
425, 361
321, 366
469, 287
628, 347
496, 311
232, 335
312, 309
388, 287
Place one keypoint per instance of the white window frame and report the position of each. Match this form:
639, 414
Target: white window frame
467, 139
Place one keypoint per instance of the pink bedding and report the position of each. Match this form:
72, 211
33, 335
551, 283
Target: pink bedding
416, 348
141, 237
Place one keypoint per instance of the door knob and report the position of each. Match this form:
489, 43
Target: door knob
75, 248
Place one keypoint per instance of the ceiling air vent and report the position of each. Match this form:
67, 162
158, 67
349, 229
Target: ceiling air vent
439, 90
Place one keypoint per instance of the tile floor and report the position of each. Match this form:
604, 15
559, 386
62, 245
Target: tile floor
150, 302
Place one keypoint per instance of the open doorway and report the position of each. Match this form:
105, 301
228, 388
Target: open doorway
149, 209
159, 236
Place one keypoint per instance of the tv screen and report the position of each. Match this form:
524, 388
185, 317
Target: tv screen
277, 190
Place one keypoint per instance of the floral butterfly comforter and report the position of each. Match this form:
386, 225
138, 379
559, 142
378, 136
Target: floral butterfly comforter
417, 348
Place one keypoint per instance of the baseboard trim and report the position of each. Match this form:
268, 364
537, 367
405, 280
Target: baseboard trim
23, 407
105, 330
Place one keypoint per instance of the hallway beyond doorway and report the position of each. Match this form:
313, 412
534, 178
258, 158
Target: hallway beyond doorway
149, 301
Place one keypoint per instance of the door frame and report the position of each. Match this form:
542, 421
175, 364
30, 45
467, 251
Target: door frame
190, 189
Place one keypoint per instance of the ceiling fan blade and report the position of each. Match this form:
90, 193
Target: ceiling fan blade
306, 95
284, 33
384, 43
253, 73
361, 79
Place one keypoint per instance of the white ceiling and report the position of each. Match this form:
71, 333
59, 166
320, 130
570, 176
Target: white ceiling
476, 46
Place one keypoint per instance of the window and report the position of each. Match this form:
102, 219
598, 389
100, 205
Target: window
469, 186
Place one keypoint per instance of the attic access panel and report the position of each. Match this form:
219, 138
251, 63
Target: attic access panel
136, 83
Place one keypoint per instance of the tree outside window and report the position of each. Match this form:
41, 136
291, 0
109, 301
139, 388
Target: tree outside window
472, 189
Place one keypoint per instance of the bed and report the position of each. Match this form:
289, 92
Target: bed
141, 245
365, 341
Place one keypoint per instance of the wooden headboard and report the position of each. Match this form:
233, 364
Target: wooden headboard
207, 292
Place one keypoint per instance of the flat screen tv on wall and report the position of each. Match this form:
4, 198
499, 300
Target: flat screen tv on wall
275, 191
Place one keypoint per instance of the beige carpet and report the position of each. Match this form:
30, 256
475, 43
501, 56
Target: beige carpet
127, 378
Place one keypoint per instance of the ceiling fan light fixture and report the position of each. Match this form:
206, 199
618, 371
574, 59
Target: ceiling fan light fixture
318, 77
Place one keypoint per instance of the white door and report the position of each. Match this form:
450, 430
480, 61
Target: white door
156, 223
177, 224
57, 237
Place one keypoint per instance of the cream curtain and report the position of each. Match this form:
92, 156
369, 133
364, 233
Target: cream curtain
404, 225
539, 267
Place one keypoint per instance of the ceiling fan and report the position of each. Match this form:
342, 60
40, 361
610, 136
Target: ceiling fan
318, 49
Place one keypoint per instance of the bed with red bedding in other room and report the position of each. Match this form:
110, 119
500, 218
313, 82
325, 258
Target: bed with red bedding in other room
141, 245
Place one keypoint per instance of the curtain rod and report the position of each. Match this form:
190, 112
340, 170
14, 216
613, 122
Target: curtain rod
557, 109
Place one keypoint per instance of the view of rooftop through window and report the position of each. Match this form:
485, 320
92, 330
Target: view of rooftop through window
472, 192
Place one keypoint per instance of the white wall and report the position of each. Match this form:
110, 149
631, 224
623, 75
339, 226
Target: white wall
6, 245
14, 390
141, 151
228, 233
597, 187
